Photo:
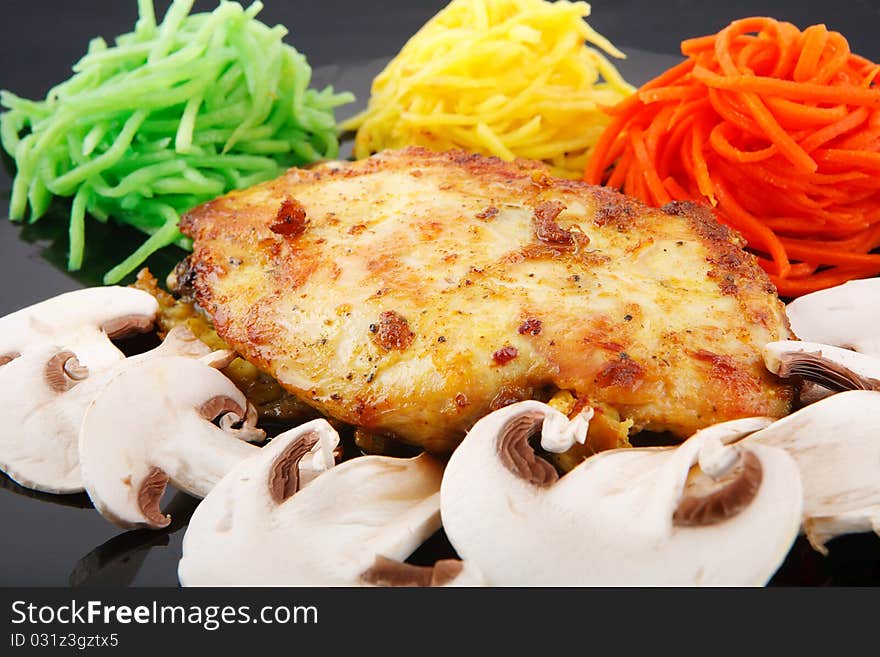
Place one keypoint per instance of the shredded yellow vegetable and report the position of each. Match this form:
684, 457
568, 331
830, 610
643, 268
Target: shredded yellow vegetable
512, 78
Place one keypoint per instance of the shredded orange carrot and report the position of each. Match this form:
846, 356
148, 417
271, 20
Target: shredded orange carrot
778, 130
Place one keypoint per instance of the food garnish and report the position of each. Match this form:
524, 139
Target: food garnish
169, 116
702, 513
846, 316
154, 424
840, 470
348, 525
511, 78
833, 368
54, 358
779, 130
724, 507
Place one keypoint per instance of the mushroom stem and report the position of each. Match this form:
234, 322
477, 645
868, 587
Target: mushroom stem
243, 428
716, 456
559, 433
219, 359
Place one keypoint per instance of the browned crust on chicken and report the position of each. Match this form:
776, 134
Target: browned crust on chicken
428, 285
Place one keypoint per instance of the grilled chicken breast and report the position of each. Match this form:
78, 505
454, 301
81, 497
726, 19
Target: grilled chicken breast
413, 292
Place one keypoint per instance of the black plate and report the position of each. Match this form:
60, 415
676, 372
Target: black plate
60, 540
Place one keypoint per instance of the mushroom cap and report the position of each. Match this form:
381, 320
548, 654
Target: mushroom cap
151, 424
82, 321
836, 445
622, 517
39, 436
329, 533
847, 316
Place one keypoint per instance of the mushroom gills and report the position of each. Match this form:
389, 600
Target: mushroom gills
707, 501
352, 525
834, 444
445, 572
833, 368
633, 516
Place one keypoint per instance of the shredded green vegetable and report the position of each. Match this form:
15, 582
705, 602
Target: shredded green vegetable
172, 115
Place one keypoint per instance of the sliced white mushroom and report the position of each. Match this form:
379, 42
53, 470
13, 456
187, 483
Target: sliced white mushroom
352, 525
645, 516
153, 423
39, 439
833, 369
82, 321
846, 316
836, 445
47, 351
40, 431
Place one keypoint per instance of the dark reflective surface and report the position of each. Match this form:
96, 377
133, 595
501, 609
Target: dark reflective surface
118, 561
61, 540
74, 501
